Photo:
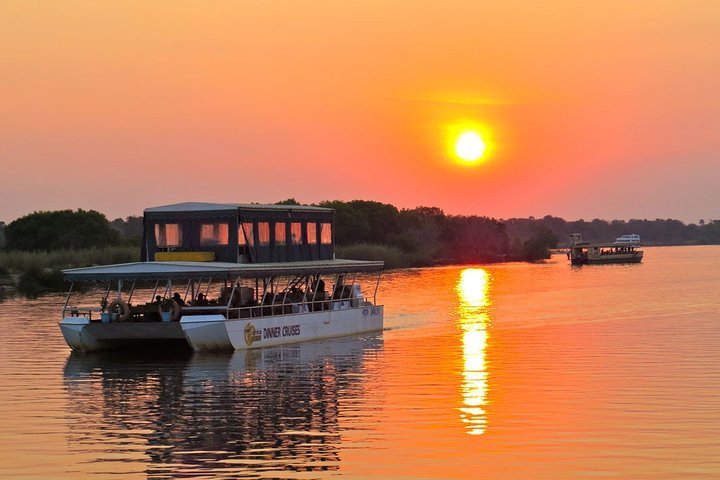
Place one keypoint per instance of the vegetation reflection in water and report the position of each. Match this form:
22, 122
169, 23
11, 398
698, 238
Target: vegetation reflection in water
474, 300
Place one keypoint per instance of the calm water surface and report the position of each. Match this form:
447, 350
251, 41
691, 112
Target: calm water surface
502, 371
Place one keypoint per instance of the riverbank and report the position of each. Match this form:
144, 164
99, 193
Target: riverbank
395, 257
36, 273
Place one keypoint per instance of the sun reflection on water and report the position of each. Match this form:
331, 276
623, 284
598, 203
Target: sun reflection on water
473, 292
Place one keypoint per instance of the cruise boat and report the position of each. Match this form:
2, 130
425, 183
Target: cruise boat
626, 250
223, 277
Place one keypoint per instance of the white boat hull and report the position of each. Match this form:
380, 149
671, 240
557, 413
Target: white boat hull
214, 332
82, 335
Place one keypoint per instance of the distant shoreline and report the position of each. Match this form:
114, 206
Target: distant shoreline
36, 274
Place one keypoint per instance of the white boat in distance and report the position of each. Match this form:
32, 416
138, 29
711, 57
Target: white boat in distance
271, 292
587, 253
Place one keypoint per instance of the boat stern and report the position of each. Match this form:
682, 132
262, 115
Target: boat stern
72, 330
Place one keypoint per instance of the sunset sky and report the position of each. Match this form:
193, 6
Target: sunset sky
588, 110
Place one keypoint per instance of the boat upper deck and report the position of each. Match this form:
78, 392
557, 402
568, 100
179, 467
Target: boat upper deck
237, 233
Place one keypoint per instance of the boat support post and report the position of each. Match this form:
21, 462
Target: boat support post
67, 298
377, 284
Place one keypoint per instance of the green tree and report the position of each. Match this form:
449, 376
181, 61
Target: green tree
62, 229
538, 246
130, 229
473, 239
363, 221
289, 201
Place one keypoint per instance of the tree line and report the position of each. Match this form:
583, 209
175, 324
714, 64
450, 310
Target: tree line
403, 237
652, 232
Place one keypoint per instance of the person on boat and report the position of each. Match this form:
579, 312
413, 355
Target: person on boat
178, 299
201, 300
338, 288
319, 295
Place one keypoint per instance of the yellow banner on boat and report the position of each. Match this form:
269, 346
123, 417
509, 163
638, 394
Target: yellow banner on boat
184, 256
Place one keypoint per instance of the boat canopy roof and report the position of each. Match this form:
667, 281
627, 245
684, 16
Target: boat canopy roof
229, 207
219, 270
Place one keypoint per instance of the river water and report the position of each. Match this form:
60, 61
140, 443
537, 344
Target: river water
500, 371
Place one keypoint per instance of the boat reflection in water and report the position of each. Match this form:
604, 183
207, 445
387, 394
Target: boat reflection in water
474, 301
266, 410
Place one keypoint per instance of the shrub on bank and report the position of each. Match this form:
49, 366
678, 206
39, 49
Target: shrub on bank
61, 229
19, 261
392, 256
41, 272
37, 281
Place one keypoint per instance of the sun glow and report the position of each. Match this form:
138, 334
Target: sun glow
468, 142
470, 146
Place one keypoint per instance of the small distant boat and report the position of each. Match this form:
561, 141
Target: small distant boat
624, 249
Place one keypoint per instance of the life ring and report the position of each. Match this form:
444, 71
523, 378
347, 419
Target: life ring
120, 307
175, 309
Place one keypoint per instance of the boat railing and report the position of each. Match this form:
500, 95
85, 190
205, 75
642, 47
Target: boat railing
294, 308
248, 311
74, 311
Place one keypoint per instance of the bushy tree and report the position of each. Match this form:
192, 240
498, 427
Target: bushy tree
363, 221
538, 246
289, 201
130, 228
473, 239
419, 231
62, 229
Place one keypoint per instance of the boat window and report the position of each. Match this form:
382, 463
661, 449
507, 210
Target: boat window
312, 233
168, 235
214, 234
326, 233
280, 233
245, 234
296, 233
263, 233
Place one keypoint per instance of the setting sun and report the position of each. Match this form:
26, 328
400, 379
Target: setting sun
470, 146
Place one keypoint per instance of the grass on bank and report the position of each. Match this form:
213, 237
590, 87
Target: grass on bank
36, 273
393, 257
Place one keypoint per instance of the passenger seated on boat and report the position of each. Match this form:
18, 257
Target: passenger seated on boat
342, 292
319, 296
201, 300
153, 313
338, 288
178, 299
295, 295
319, 286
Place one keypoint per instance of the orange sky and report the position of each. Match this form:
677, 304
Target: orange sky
607, 110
